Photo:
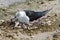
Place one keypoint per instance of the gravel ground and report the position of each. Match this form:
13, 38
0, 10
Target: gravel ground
48, 30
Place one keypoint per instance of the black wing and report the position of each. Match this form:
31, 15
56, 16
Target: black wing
35, 15
29, 12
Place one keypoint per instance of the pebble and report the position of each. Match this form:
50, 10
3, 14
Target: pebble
49, 22
16, 24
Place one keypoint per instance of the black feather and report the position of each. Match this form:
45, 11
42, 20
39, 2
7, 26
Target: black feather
35, 15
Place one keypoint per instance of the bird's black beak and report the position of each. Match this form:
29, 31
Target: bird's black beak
13, 19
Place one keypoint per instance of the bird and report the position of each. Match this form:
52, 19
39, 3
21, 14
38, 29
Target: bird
26, 16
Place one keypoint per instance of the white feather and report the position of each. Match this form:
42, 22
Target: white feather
22, 17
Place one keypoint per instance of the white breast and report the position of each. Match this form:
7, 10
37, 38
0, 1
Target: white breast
22, 17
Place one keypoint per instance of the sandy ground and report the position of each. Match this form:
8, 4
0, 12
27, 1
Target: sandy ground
42, 32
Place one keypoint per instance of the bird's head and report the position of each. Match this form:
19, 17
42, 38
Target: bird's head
20, 14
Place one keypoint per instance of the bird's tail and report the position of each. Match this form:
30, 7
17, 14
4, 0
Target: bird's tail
43, 13
46, 11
